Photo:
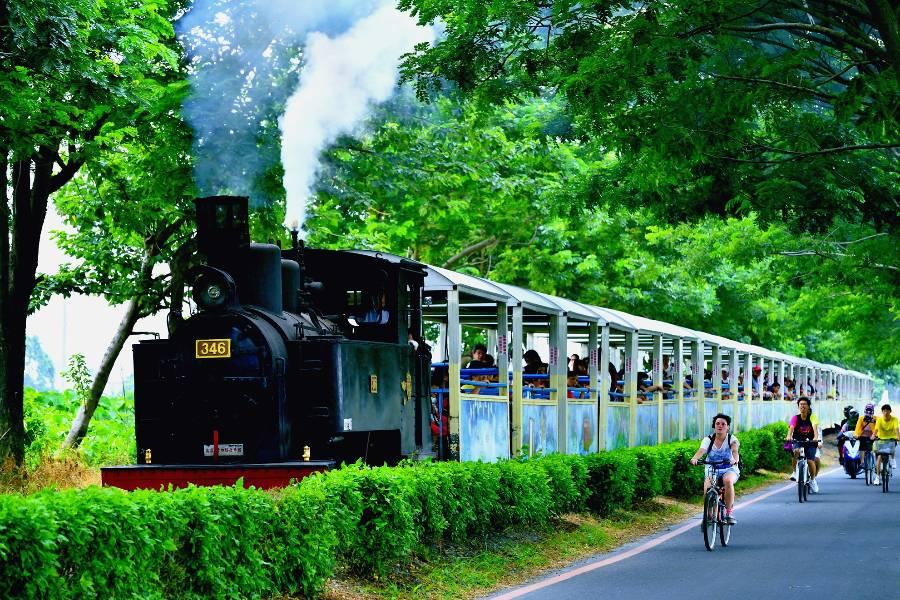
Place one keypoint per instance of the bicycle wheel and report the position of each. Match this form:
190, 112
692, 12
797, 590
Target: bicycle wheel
710, 510
870, 468
885, 473
724, 528
801, 481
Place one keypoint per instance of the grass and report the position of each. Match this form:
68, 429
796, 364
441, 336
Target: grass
480, 568
61, 471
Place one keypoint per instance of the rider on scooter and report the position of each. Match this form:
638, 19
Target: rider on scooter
844, 428
846, 436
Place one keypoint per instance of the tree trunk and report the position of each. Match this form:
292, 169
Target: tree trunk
885, 17
31, 186
12, 364
152, 248
83, 419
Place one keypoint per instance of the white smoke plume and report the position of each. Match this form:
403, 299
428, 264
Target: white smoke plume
245, 60
341, 79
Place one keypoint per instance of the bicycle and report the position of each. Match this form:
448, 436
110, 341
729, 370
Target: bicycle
803, 486
868, 461
885, 451
714, 507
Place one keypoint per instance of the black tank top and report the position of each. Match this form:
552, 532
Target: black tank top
803, 430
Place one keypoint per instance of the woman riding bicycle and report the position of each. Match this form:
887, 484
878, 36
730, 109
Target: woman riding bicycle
886, 432
804, 427
722, 447
865, 429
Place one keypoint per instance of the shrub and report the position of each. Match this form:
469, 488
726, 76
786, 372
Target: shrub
611, 480
304, 545
29, 549
524, 496
750, 449
687, 479
774, 456
383, 499
654, 471
568, 481
226, 542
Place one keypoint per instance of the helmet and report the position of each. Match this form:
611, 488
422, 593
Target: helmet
870, 409
847, 410
853, 416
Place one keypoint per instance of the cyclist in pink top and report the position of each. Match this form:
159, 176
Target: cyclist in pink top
804, 426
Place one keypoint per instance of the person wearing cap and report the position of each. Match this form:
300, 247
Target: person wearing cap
886, 434
755, 380
865, 430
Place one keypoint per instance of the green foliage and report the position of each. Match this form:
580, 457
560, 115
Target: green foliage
442, 185
654, 467
568, 482
226, 542
385, 533
713, 107
48, 416
611, 480
687, 479
75, 77
78, 376
687, 112
775, 457
302, 554
511, 202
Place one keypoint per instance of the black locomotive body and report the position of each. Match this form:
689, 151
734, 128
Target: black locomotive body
294, 350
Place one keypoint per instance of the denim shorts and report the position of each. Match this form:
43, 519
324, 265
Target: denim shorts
810, 452
731, 469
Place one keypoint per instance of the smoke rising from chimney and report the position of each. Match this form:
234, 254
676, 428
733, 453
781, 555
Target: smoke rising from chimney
315, 68
341, 80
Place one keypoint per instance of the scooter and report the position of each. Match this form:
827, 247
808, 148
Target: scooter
852, 458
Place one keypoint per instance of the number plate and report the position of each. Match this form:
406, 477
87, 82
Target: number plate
224, 450
213, 349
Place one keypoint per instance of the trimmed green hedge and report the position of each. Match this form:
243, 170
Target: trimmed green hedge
218, 542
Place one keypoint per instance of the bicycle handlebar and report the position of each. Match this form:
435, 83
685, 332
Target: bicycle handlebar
804, 443
714, 463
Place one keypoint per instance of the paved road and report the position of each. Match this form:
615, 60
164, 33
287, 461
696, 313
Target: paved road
843, 543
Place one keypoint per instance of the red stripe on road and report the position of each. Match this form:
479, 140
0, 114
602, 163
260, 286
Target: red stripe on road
633, 552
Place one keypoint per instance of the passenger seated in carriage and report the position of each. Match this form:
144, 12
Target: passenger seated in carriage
533, 363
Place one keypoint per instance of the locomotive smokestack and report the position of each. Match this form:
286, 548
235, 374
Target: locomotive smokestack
222, 228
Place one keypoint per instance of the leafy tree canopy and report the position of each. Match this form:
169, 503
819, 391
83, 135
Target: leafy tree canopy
786, 108
74, 77
493, 193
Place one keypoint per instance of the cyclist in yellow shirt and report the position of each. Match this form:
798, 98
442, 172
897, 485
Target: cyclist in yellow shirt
887, 433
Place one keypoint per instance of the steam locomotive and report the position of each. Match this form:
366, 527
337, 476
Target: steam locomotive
294, 361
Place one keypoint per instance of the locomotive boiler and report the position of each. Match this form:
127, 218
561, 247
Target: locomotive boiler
294, 360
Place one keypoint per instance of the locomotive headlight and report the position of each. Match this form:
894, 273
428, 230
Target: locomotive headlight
213, 289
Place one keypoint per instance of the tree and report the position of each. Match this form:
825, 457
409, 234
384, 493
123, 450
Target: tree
74, 76
424, 184
786, 108
39, 371
780, 110
446, 186
131, 214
